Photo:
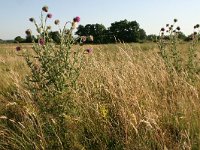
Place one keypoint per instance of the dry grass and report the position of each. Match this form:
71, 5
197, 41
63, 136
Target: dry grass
126, 100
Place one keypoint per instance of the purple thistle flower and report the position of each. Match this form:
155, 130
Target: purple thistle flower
77, 19
49, 15
89, 50
41, 41
18, 48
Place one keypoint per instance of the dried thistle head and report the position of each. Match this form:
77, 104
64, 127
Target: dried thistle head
45, 8
178, 28
57, 22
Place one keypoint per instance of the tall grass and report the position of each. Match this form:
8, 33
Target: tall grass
125, 99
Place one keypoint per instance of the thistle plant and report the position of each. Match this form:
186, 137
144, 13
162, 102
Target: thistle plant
54, 67
168, 46
192, 64
168, 43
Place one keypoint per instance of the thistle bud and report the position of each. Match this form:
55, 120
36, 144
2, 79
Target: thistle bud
195, 33
57, 22
48, 27
45, 8
178, 28
175, 20
162, 29
28, 32
31, 19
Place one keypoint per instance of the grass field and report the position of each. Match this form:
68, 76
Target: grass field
126, 99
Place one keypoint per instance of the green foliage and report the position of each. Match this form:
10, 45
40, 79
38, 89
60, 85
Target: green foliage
123, 31
152, 38
55, 36
19, 39
30, 39
96, 30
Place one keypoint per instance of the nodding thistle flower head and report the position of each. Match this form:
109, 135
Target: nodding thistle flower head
28, 32
77, 19
49, 15
178, 28
18, 48
175, 20
57, 22
197, 26
162, 29
31, 19
45, 8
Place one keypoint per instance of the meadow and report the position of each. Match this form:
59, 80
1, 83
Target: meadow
126, 98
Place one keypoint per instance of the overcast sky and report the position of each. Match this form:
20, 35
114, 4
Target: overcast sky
150, 14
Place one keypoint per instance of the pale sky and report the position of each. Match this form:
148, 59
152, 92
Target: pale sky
150, 14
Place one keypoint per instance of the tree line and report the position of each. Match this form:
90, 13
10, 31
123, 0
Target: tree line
119, 31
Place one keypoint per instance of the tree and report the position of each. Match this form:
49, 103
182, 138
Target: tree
96, 30
142, 35
152, 37
30, 38
1, 41
127, 31
182, 36
19, 39
55, 36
